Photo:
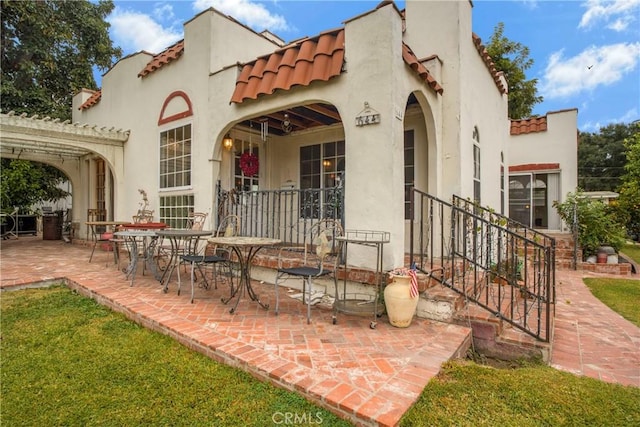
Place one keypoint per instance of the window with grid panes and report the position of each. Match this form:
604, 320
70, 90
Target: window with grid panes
321, 166
476, 166
101, 179
175, 157
502, 183
174, 210
409, 171
241, 181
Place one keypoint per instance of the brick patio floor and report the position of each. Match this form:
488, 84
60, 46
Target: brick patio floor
369, 376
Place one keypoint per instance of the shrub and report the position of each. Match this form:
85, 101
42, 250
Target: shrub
596, 225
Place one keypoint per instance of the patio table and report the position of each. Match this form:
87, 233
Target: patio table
148, 239
190, 239
245, 248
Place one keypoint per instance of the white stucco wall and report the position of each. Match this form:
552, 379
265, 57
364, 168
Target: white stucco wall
471, 98
558, 144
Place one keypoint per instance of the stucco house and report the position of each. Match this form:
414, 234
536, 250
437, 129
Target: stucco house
396, 122
391, 100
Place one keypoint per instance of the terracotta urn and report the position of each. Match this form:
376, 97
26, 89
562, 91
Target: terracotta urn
399, 304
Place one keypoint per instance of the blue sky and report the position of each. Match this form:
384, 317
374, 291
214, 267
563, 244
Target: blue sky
586, 53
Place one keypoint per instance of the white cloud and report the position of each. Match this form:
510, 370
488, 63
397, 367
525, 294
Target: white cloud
249, 12
593, 67
627, 117
163, 12
606, 10
620, 24
134, 31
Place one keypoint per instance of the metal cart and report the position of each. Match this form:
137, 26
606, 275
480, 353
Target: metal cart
355, 303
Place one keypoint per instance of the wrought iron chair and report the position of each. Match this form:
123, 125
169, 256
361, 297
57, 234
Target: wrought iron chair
143, 216
196, 220
213, 255
317, 257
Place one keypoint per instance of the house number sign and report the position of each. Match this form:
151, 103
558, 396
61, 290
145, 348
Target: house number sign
368, 116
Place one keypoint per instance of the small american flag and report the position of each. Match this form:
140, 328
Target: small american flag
414, 283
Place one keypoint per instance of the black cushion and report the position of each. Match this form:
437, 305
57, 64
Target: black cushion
304, 271
207, 259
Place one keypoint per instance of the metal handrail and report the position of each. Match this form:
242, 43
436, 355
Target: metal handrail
477, 247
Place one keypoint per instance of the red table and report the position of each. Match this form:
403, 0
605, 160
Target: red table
145, 226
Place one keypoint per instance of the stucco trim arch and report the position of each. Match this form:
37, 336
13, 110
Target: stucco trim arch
187, 112
433, 141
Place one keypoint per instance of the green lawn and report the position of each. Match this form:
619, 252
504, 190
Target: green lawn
632, 250
621, 295
467, 394
68, 361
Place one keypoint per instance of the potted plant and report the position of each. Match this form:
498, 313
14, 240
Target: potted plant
508, 270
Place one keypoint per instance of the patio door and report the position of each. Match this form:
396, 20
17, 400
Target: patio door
531, 197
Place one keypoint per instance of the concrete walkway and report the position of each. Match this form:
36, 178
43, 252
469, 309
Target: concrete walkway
591, 339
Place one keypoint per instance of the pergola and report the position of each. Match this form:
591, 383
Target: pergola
64, 145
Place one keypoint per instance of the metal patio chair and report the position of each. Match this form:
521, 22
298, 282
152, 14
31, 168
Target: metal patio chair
317, 257
211, 255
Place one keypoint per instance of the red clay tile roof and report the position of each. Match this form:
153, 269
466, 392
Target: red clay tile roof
311, 59
163, 58
534, 124
91, 101
534, 167
489, 63
413, 62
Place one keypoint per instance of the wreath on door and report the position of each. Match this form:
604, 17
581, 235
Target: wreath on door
249, 164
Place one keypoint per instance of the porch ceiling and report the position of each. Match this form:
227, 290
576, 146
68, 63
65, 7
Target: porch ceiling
303, 117
300, 118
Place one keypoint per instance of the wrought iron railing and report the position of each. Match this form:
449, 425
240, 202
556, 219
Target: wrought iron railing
283, 214
502, 266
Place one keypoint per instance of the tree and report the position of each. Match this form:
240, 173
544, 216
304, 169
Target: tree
49, 50
24, 183
601, 157
512, 58
628, 204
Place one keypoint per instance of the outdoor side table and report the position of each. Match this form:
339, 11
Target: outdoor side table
245, 249
360, 304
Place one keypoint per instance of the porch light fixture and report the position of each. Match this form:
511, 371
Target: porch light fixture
286, 124
227, 142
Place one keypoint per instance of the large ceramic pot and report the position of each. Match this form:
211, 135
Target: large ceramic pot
399, 304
